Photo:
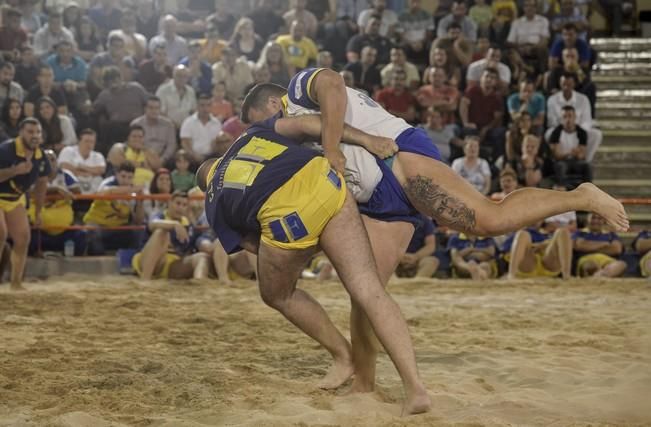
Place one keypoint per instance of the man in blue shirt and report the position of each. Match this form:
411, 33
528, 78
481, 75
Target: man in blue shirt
419, 261
22, 164
67, 66
569, 39
473, 256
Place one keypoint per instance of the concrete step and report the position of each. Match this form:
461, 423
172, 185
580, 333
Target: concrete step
631, 155
640, 220
622, 68
626, 187
621, 44
625, 127
609, 112
624, 170
629, 82
624, 95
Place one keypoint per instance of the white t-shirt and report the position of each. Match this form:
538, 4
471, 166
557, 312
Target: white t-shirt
476, 69
389, 18
477, 175
202, 135
524, 31
72, 156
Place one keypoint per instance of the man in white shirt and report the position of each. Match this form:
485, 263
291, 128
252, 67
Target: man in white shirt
388, 18
50, 35
200, 130
178, 99
84, 162
176, 46
529, 34
491, 60
568, 142
581, 105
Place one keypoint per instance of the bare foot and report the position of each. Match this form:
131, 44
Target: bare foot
338, 374
417, 404
17, 287
606, 206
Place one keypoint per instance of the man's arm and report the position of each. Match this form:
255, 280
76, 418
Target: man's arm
428, 248
614, 248
583, 245
464, 106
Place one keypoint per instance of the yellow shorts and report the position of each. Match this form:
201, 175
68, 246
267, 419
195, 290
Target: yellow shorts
10, 205
294, 216
645, 260
601, 260
538, 271
165, 271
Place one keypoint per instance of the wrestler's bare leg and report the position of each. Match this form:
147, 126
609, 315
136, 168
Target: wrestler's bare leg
346, 244
153, 253
613, 269
558, 254
3, 244
18, 229
437, 191
389, 241
427, 266
522, 257
278, 270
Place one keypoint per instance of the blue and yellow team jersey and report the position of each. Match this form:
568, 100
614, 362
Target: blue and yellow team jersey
424, 229
257, 164
176, 247
298, 91
537, 236
595, 236
109, 213
57, 214
461, 241
12, 153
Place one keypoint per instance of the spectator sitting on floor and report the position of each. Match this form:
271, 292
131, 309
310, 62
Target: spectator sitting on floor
642, 246
200, 130
598, 250
566, 219
168, 251
472, 256
443, 137
370, 37
568, 142
160, 133
491, 60
10, 118
439, 94
529, 34
458, 16
45, 86
84, 162
419, 260
569, 39
399, 62
220, 107
529, 165
508, 184
300, 51
178, 99
475, 110
527, 99
182, 178
115, 213
58, 131
397, 99
365, 73
533, 253
8, 87
234, 72
581, 104
57, 214
473, 168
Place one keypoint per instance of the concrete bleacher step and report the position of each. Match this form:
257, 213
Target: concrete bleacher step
615, 112
626, 187
621, 82
625, 127
621, 44
623, 95
616, 170
626, 67
624, 137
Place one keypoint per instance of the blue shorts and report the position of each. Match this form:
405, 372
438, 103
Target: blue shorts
415, 140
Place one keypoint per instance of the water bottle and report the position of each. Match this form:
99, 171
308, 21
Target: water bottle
69, 248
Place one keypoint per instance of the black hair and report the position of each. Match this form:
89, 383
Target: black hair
28, 121
258, 97
127, 166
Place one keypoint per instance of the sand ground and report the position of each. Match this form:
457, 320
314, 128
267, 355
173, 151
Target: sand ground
111, 351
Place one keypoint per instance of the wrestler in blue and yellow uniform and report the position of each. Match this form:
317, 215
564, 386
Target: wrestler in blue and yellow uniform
269, 185
597, 248
536, 237
12, 191
640, 244
461, 241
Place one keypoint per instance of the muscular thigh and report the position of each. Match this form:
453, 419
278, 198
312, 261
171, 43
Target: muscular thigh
17, 223
389, 241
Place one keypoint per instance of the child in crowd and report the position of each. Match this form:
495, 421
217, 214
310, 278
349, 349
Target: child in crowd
182, 178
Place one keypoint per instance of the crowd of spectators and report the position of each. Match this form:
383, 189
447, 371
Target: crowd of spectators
133, 95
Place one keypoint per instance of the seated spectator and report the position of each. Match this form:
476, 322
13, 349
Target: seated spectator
57, 213
566, 219
533, 253
182, 178
642, 245
58, 131
116, 107
568, 39
529, 34
160, 132
456, 46
522, 71
442, 136
366, 75
520, 128
10, 118
324, 60
84, 162
500, 27
87, 39
506, 10
147, 18
220, 107
32, 19
12, 36
439, 59
27, 68
458, 16
112, 213
266, 19
598, 250
370, 37
176, 47
199, 70
491, 60
481, 14
529, 165
571, 65
273, 58
568, 142
8, 87
480, 49
144, 160
396, 98
569, 13
47, 37
508, 184
135, 44
581, 104
106, 15
299, 50
45, 86
419, 260
298, 12
231, 129
234, 72
245, 42
399, 61
161, 183
199, 131
349, 81
473, 257
178, 99
71, 12
155, 71
527, 99
168, 251
212, 45
475, 110
71, 72
114, 56
416, 27
388, 18
472, 168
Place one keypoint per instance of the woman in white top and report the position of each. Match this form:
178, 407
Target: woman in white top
472, 168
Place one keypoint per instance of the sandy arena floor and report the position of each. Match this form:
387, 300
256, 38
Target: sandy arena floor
111, 351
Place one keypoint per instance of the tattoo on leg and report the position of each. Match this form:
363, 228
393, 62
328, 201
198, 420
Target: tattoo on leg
445, 209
